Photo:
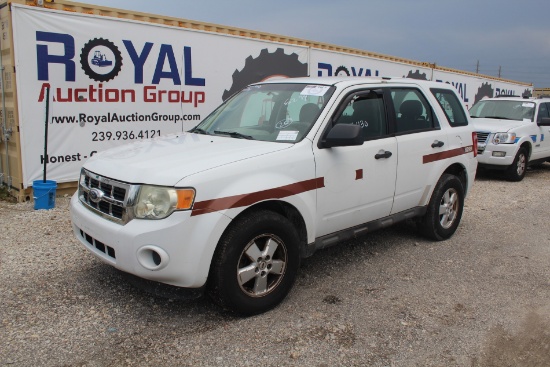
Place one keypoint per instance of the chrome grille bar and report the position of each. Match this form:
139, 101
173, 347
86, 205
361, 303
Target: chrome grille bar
106, 197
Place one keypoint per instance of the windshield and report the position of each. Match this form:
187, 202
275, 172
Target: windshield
504, 109
270, 112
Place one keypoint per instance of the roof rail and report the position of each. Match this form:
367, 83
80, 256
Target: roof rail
506, 96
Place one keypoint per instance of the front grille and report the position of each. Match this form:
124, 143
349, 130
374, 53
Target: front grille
105, 196
107, 250
482, 138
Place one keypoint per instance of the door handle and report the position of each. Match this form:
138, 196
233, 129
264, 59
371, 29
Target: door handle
437, 144
383, 154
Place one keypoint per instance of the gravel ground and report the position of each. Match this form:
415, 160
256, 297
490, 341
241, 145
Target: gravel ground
392, 298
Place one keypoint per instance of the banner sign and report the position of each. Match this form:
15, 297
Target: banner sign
342, 64
470, 88
473, 89
114, 80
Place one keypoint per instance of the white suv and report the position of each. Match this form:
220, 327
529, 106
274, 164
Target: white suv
278, 171
512, 133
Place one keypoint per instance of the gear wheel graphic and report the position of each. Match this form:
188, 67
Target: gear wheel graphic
85, 59
486, 90
342, 69
417, 75
265, 65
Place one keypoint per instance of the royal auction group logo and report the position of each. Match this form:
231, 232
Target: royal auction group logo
101, 60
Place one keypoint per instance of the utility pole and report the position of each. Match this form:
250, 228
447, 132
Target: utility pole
477, 67
499, 69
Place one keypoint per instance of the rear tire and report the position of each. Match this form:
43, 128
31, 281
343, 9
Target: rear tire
255, 264
516, 171
444, 210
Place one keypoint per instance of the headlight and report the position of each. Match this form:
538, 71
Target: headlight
156, 202
504, 138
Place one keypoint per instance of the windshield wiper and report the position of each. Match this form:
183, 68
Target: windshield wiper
199, 131
498, 117
233, 134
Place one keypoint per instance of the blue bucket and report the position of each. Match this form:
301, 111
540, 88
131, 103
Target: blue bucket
44, 194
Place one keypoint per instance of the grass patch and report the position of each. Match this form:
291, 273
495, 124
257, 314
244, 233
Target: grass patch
5, 195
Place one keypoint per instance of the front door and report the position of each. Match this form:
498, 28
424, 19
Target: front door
541, 147
359, 181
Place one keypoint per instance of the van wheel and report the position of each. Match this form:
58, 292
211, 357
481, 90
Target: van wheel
516, 171
255, 264
444, 210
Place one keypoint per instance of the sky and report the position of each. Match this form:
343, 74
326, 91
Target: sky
489, 36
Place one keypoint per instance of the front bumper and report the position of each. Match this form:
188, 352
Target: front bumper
486, 154
176, 250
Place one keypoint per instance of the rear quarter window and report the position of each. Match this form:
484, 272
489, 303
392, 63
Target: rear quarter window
452, 106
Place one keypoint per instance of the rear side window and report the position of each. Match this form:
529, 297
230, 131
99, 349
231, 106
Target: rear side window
451, 105
413, 111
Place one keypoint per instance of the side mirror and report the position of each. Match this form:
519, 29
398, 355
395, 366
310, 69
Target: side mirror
545, 121
343, 135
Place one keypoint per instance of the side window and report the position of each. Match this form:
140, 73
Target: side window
366, 109
543, 111
452, 106
413, 112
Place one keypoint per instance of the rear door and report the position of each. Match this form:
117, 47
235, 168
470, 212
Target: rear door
421, 144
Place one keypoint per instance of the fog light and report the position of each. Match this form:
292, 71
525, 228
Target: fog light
499, 154
152, 257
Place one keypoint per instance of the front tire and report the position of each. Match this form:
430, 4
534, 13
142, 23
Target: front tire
255, 264
516, 171
444, 210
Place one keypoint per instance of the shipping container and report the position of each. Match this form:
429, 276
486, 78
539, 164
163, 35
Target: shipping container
99, 77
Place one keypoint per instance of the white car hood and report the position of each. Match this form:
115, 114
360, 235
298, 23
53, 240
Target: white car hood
167, 160
497, 125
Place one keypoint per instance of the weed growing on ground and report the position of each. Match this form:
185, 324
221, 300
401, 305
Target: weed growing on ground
6, 196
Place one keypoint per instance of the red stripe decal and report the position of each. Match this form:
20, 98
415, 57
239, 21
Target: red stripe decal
447, 154
209, 206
